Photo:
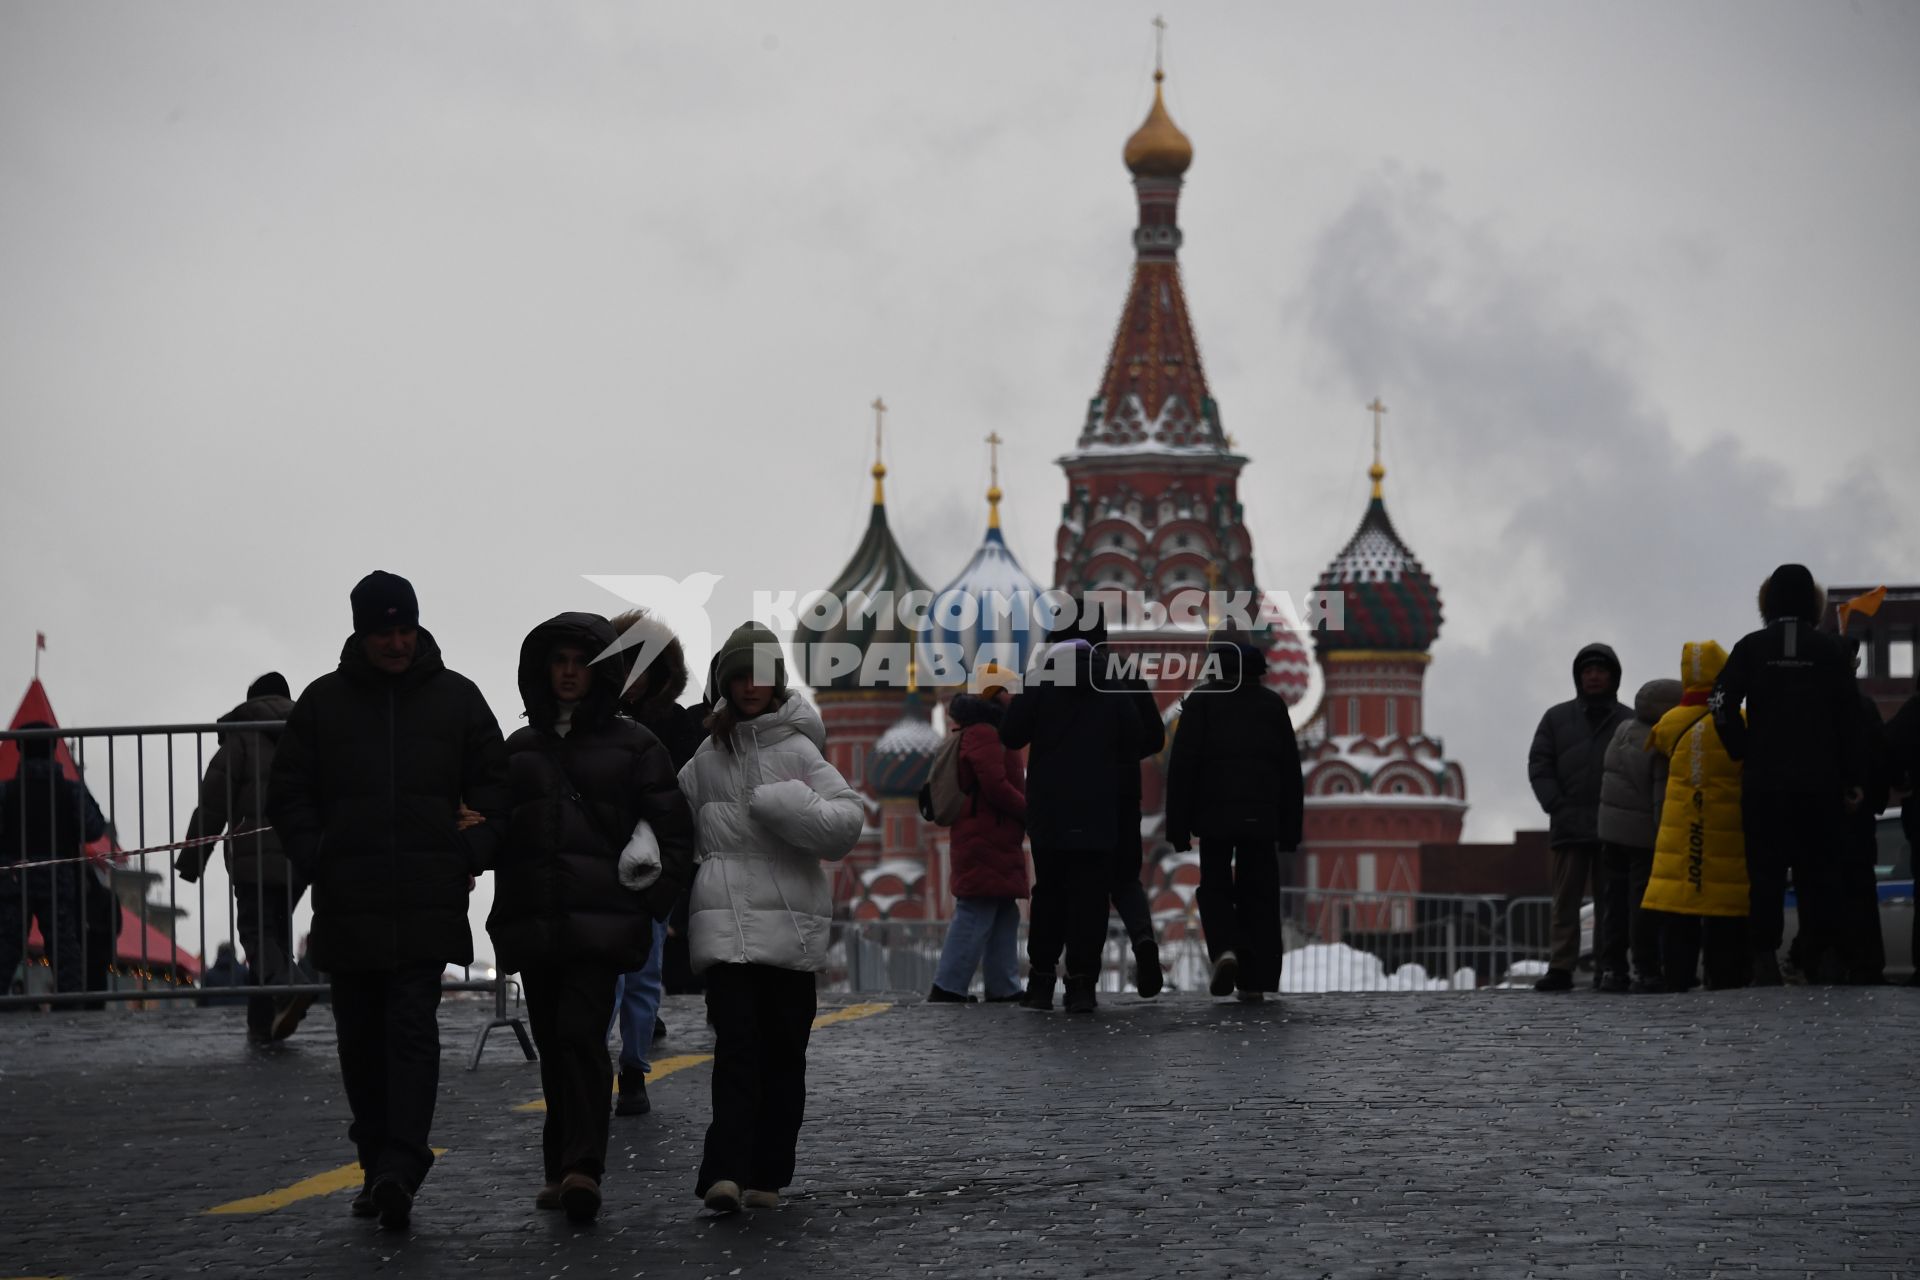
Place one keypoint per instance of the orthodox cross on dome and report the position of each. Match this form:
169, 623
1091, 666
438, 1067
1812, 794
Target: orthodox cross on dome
1159, 46
1376, 471
879, 468
993, 484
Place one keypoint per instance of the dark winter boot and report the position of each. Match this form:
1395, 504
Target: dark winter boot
1039, 991
1080, 998
1226, 975
1555, 980
633, 1099
1147, 975
1766, 969
938, 994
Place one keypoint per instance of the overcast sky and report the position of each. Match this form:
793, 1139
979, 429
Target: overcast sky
495, 296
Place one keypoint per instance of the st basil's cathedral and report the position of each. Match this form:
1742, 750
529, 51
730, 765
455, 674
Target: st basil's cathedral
1153, 505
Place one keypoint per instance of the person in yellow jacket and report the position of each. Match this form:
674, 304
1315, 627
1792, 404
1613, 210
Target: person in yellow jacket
1699, 855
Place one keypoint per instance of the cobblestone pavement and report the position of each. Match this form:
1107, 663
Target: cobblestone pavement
1757, 1132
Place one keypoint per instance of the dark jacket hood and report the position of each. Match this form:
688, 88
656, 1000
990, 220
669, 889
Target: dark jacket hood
1242, 662
970, 709
37, 748
269, 706
1791, 592
588, 631
1607, 658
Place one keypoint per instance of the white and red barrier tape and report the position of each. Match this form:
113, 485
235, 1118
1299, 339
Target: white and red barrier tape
122, 855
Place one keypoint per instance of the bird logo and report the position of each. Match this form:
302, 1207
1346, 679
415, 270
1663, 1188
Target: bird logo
675, 607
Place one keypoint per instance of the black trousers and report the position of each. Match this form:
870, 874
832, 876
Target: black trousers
264, 916
50, 896
1725, 940
762, 1018
1644, 926
1614, 906
1862, 947
388, 1025
1128, 895
1787, 832
1239, 900
1069, 910
569, 1005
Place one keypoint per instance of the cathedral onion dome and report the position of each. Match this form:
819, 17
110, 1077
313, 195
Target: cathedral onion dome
1390, 602
878, 569
993, 605
1157, 148
1289, 664
903, 756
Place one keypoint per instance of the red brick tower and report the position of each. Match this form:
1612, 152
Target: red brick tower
1152, 483
1378, 785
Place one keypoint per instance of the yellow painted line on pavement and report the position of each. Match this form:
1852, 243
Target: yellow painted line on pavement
667, 1066
320, 1184
852, 1013
664, 1067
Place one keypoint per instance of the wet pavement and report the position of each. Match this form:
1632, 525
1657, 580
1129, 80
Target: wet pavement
1492, 1134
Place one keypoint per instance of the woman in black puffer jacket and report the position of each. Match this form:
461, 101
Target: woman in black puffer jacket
599, 845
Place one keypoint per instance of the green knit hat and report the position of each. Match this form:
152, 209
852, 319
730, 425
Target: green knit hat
737, 658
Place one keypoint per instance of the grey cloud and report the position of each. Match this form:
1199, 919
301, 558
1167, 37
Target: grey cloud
1607, 527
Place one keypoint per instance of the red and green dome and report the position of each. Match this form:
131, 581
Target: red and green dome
1390, 602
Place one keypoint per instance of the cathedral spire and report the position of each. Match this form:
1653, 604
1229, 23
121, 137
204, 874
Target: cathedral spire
1377, 472
1154, 393
879, 407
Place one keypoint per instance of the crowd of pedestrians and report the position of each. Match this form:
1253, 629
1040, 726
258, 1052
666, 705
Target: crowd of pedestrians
633, 838
1692, 812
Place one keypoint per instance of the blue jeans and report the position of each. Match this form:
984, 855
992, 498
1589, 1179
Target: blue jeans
985, 932
636, 1004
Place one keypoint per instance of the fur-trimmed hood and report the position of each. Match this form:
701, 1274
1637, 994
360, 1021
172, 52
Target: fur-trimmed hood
665, 673
1791, 592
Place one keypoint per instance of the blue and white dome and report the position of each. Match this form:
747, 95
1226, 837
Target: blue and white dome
991, 612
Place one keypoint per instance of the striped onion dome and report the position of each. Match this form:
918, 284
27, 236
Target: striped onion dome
1289, 664
993, 605
903, 757
878, 567
1390, 602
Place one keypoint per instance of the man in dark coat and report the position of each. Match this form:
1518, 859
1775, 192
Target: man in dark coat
368, 781
1565, 766
597, 850
1079, 741
1234, 782
1903, 747
1857, 952
45, 816
1799, 748
233, 796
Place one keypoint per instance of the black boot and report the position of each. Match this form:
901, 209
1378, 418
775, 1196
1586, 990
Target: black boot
1766, 969
1147, 975
1080, 997
1039, 991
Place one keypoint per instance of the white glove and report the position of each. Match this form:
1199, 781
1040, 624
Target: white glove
640, 860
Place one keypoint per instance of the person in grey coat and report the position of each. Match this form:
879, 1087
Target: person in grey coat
1632, 784
1565, 766
266, 888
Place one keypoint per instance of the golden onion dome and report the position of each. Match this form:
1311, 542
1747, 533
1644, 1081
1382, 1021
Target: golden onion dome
1157, 148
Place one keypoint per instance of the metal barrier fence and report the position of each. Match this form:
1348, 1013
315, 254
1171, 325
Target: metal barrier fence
1335, 940
115, 925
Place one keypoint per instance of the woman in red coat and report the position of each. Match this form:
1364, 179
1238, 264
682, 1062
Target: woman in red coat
989, 857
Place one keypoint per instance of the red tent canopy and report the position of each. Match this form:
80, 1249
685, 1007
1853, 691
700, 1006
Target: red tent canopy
158, 948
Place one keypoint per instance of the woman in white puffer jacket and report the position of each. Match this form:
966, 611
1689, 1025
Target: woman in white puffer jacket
768, 809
